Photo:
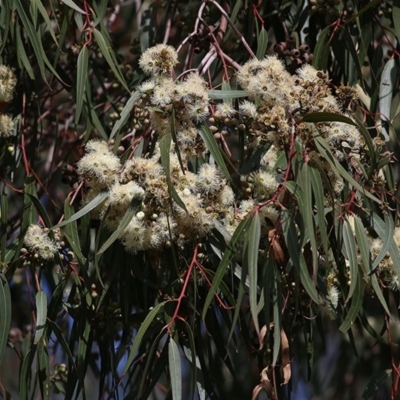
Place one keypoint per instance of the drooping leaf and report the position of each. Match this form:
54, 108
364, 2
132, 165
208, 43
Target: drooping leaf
175, 372
81, 79
41, 315
321, 51
105, 48
140, 334
386, 88
251, 246
5, 314
356, 304
125, 113
351, 252
214, 149
226, 259
262, 42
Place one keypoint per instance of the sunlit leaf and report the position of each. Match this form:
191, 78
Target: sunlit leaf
41, 314
175, 369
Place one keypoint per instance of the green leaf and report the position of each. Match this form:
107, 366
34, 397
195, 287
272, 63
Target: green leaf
175, 373
277, 307
387, 240
356, 304
81, 79
351, 252
105, 49
125, 113
3, 230
230, 251
43, 370
363, 245
72, 5
323, 148
5, 314
23, 59
321, 51
88, 207
387, 84
262, 42
379, 294
226, 94
328, 117
375, 383
379, 225
132, 210
354, 55
214, 149
141, 332
46, 18
41, 315
71, 232
35, 40
396, 18
165, 146
318, 192
306, 209
251, 246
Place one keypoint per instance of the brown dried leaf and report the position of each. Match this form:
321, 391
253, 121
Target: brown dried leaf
286, 369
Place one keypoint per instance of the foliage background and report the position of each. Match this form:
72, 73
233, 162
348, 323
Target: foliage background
77, 64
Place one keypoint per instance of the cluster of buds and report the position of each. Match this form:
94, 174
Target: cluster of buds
296, 55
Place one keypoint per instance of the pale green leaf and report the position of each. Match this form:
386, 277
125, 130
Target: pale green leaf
175, 372
41, 315
81, 79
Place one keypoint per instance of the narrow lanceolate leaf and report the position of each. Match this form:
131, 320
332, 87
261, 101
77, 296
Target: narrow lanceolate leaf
71, 4
387, 240
3, 229
5, 314
165, 146
396, 18
306, 208
41, 315
214, 149
380, 226
387, 85
252, 243
318, 192
376, 382
140, 334
226, 94
125, 113
351, 252
46, 18
89, 207
363, 245
105, 50
262, 42
324, 149
43, 371
71, 232
81, 79
356, 305
174, 359
328, 117
277, 307
321, 51
379, 294
230, 251
132, 210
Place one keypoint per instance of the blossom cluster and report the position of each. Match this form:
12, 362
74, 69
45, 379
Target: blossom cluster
8, 82
39, 247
